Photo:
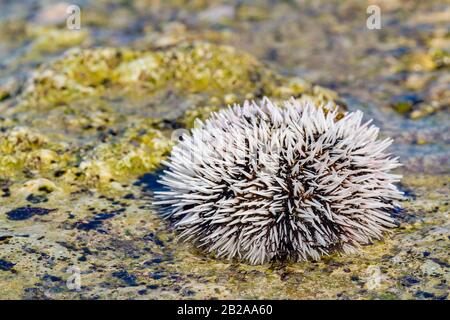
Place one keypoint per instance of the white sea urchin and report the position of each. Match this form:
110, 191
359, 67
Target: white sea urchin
263, 182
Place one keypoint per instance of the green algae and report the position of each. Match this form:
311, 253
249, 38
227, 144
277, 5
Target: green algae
90, 122
25, 154
45, 40
140, 150
427, 69
103, 94
22, 148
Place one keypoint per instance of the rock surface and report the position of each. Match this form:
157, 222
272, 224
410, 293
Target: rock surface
86, 117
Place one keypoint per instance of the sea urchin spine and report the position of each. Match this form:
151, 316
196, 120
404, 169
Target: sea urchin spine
262, 182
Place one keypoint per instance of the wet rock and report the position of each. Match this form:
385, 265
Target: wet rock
51, 278
36, 198
49, 39
432, 268
6, 265
409, 281
418, 61
424, 294
6, 192
113, 111
128, 279
52, 14
251, 12
187, 292
96, 222
217, 13
153, 286
405, 103
157, 276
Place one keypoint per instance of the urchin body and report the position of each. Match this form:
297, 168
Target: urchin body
261, 182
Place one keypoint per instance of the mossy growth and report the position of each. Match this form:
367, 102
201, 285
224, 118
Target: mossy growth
417, 61
107, 113
402, 106
26, 154
139, 150
47, 39
206, 70
200, 113
23, 152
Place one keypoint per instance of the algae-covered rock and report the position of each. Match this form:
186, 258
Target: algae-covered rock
72, 144
202, 69
24, 151
101, 115
81, 141
418, 61
51, 39
139, 150
427, 74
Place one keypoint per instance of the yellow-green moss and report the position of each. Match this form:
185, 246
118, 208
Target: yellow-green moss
102, 111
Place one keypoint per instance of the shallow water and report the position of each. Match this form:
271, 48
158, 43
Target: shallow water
104, 223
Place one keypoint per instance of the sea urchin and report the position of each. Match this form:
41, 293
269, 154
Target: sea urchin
262, 182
